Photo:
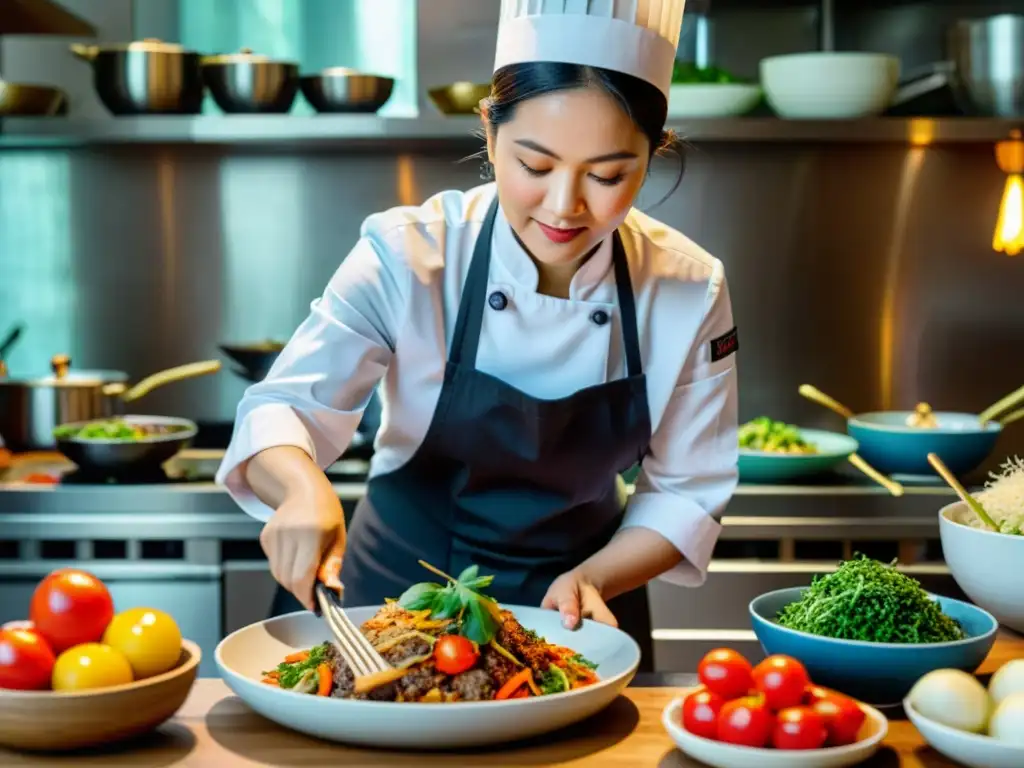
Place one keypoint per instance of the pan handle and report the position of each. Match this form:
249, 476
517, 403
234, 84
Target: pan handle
816, 395
11, 339
170, 376
889, 484
1010, 401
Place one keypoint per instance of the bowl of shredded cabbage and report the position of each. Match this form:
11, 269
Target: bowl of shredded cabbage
986, 563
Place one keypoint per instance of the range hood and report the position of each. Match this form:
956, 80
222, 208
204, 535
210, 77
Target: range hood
41, 17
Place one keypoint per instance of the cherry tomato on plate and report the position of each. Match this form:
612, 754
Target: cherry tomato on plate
782, 680
746, 722
70, 607
26, 661
842, 716
700, 713
726, 672
454, 654
799, 728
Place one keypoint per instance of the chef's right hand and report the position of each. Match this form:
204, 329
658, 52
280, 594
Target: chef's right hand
304, 537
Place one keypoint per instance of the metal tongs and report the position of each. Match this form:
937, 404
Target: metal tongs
368, 666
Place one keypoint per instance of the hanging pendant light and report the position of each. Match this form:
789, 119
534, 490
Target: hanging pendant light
1009, 234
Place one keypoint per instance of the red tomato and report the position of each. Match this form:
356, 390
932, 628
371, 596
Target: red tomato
70, 607
842, 716
20, 624
799, 728
726, 673
745, 721
814, 693
26, 661
454, 654
700, 713
782, 680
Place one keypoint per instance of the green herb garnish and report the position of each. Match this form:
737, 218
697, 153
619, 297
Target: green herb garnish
580, 660
477, 615
553, 680
870, 601
289, 674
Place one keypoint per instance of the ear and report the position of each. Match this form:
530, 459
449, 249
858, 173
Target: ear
488, 132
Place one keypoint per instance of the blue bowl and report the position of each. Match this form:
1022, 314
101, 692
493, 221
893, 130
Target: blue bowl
893, 448
875, 673
771, 467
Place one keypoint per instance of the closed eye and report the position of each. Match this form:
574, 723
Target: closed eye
606, 181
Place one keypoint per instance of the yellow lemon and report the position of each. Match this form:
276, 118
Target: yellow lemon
148, 638
90, 665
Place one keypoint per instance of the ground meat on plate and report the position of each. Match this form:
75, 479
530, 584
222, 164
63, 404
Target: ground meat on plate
419, 682
523, 646
414, 646
474, 685
497, 666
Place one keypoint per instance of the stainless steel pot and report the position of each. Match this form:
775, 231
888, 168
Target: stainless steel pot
30, 409
247, 83
988, 55
146, 77
345, 91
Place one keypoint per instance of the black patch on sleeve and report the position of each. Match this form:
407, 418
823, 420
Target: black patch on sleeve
725, 345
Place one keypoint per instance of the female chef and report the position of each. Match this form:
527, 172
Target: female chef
532, 337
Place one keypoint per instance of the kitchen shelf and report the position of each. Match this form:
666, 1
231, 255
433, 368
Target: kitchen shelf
280, 131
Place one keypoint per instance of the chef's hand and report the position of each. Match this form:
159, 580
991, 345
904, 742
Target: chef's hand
304, 539
575, 597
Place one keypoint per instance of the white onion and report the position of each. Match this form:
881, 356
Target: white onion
953, 698
1009, 679
1008, 720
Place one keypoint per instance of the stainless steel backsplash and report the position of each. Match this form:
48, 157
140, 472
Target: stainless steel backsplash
866, 270
863, 269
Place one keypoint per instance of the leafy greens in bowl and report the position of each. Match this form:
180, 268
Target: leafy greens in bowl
870, 631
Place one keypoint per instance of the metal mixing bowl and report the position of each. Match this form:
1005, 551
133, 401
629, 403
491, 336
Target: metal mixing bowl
988, 55
247, 83
459, 98
19, 99
343, 90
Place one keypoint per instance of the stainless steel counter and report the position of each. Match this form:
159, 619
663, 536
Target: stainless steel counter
186, 547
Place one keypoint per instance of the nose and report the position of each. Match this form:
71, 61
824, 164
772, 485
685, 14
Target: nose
563, 198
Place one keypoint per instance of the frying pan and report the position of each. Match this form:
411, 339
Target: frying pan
253, 360
120, 458
892, 444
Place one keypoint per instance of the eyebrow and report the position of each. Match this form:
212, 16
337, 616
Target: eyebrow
620, 155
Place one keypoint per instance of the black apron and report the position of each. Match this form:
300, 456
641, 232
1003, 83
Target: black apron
522, 487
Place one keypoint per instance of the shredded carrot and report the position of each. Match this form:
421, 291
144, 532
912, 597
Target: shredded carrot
325, 680
520, 694
271, 681
297, 657
515, 682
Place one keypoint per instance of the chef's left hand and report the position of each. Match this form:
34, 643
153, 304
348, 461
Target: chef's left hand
575, 597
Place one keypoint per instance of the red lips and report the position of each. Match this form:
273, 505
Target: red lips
556, 235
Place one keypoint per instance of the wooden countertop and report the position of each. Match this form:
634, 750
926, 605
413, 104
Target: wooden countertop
214, 728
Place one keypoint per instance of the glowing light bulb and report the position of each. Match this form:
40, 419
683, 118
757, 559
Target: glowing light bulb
1009, 234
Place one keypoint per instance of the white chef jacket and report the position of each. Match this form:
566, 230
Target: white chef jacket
388, 315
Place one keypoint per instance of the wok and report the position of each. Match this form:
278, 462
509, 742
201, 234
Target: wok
253, 360
110, 457
31, 408
898, 442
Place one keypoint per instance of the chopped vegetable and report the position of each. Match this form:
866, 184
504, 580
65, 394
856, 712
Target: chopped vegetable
764, 434
454, 654
324, 679
554, 681
869, 601
514, 683
114, 429
1002, 499
295, 667
686, 72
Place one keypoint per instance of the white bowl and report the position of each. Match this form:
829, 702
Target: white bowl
718, 754
970, 749
712, 99
830, 86
986, 565
243, 656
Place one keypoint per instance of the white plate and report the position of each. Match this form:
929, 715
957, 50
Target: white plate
970, 749
720, 755
244, 655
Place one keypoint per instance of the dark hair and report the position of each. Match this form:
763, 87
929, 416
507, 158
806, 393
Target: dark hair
646, 106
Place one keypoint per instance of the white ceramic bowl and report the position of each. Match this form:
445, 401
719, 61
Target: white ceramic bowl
829, 86
712, 99
986, 565
720, 755
243, 655
970, 749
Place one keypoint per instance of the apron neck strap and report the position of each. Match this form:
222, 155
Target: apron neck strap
466, 339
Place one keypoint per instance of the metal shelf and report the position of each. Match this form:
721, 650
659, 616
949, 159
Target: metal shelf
281, 131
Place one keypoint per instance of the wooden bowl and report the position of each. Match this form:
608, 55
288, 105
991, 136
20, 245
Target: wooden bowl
58, 722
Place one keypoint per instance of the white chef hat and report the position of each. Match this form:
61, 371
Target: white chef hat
637, 37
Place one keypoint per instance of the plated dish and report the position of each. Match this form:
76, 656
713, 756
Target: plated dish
770, 436
772, 451
492, 700
126, 430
